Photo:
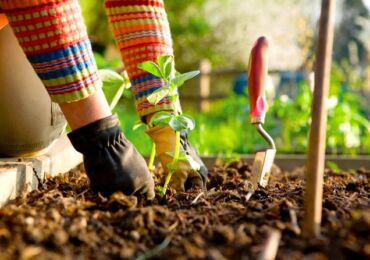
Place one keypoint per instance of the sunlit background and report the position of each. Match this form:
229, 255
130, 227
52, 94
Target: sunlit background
221, 32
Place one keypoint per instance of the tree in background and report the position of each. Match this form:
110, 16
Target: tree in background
350, 42
352, 48
192, 34
97, 24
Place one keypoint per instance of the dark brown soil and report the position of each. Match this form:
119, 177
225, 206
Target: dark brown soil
65, 220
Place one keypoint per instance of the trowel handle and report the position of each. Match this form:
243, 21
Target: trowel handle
257, 75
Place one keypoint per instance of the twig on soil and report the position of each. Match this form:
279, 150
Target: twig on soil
155, 251
197, 198
103, 199
350, 199
293, 218
173, 226
82, 195
271, 246
216, 254
249, 196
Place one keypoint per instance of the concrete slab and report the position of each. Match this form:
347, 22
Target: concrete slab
59, 159
21, 173
16, 178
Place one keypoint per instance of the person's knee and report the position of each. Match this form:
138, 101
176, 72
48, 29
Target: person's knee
29, 122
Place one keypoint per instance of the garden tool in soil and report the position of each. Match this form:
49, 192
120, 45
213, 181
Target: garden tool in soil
185, 176
111, 161
257, 74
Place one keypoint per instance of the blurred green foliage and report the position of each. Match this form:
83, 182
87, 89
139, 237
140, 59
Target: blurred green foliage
226, 129
102, 63
97, 24
191, 33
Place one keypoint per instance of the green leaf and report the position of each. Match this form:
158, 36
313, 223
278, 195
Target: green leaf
114, 86
182, 122
125, 77
158, 95
180, 79
333, 166
111, 77
173, 97
117, 96
137, 124
166, 65
151, 67
177, 125
187, 120
161, 118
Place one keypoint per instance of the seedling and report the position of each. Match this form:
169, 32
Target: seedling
164, 69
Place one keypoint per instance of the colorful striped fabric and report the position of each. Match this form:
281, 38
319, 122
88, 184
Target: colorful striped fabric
142, 33
53, 36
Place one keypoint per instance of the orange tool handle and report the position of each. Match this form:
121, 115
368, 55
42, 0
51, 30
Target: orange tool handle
257, 75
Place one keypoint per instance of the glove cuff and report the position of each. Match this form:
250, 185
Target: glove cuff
96, 135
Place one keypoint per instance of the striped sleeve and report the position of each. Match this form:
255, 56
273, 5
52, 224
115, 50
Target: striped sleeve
53, 36
142, 33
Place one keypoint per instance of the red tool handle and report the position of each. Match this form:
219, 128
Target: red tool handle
257, 74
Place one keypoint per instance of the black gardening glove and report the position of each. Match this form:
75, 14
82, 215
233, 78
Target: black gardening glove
111, 161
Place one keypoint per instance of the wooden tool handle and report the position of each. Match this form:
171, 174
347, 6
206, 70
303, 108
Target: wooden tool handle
257, 75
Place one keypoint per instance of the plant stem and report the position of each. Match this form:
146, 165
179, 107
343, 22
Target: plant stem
151, 158
118, 95
156, 250
174, 163
176, 154
166, 182
177, 148
177, 138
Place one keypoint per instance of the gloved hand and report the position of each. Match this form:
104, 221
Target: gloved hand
184, 176
111, 161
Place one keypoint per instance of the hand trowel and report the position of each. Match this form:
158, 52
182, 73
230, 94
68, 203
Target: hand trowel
257, 75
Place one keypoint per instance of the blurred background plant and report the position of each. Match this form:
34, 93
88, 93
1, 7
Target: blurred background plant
202, 31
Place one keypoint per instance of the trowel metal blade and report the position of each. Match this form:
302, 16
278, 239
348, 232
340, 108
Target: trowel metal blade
261, 168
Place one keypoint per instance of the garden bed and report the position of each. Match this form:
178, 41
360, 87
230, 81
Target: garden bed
64, 219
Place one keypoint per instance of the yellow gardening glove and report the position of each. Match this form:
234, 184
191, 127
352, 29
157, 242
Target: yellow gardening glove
184, 177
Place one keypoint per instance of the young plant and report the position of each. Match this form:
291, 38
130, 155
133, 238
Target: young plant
164, 69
